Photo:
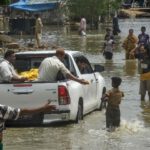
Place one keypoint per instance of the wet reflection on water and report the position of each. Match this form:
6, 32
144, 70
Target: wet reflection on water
146, 112
90, 134
130, 67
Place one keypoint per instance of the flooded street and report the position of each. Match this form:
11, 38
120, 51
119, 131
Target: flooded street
90, 134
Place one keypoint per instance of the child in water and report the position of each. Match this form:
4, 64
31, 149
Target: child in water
113, 99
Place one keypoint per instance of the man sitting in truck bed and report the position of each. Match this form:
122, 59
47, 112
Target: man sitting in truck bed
52, 65
7, 71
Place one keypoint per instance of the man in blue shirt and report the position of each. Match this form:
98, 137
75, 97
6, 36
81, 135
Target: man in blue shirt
143, 37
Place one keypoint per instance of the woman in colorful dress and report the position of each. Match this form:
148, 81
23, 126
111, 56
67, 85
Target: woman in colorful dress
130, 43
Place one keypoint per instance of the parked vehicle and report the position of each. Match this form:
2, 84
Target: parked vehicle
72, 99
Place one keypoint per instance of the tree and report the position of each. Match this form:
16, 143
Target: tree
5, 2
91, 9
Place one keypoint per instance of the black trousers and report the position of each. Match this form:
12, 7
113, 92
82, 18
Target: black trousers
112, 117
108, 55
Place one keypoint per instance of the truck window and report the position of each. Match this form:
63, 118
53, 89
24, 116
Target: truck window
83, 65
27, 62
72, 68
22, 65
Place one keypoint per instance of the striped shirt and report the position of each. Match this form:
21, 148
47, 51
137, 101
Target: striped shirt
7, 113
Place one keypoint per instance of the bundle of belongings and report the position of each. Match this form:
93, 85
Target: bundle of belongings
32, 74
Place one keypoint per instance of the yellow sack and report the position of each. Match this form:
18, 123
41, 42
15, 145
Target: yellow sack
32, 74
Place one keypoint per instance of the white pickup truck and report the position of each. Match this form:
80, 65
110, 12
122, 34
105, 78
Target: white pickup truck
72, 99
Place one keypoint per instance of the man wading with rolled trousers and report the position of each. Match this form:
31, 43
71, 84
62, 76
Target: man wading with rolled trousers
142, 53
10, 113
113, 99
38, 30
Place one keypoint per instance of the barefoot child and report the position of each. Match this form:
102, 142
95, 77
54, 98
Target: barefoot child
113, 98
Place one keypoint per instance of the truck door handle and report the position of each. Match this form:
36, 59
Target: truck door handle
23, 91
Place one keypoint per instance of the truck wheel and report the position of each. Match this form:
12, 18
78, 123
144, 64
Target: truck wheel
79, 113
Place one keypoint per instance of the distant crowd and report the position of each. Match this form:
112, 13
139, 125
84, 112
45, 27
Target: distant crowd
135, 48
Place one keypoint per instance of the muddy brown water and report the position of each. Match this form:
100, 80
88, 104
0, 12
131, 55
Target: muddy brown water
90, 133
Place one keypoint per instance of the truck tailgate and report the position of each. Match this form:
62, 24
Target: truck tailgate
28, 94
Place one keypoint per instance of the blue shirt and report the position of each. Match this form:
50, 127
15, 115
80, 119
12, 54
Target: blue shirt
143, 38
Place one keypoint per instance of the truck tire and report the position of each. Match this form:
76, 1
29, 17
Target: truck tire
79, 113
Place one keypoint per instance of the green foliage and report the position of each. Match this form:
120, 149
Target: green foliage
91, 9
5, 2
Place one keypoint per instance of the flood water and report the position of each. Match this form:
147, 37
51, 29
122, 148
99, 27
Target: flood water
90, 133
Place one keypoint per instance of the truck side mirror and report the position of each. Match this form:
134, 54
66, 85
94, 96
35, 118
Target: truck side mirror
98, 68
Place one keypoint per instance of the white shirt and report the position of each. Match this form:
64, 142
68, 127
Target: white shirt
83, 24
7, 71
49, 68
109, 46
